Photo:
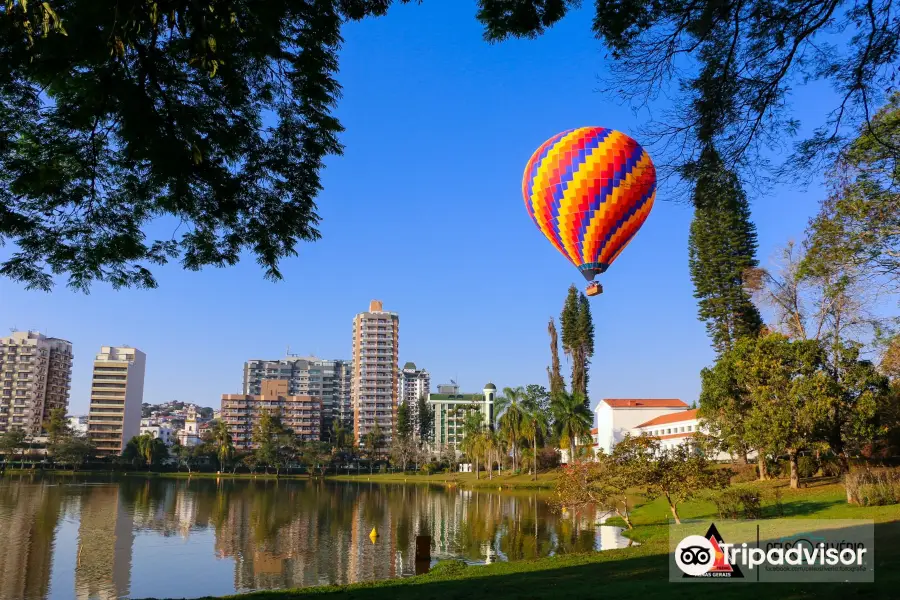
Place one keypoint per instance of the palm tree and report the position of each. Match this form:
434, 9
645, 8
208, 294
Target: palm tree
222, 439
509, 406
534, 424
491, 447
473, 441
572, 419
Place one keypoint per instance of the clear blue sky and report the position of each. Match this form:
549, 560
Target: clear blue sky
424, 212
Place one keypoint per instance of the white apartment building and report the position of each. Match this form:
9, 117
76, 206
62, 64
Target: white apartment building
450, 411
414, 384
163, 432
78, 425
35, 378
117, 391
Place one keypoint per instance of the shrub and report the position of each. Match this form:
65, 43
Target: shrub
447, 568
880, 493
430, 468
873, 487
782, 470
806, 467
744, 473
831, 466
548, 458
736, 502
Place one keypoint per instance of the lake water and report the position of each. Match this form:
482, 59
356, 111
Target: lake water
128, 537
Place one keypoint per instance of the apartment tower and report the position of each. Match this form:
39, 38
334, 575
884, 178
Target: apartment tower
35, 378
375, 383
328, 380
117, 391
414, 384
301, 414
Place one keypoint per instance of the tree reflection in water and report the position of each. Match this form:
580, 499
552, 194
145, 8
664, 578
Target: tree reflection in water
275, 533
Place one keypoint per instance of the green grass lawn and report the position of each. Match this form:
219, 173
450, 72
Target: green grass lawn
639, 572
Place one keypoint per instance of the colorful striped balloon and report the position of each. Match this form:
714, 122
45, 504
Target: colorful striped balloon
589, 190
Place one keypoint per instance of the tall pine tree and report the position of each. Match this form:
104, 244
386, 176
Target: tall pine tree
578, 337
722, 247
586, 330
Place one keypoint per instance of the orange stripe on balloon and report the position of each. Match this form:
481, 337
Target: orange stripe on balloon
580, 194
612, 209
546, 176
623, 236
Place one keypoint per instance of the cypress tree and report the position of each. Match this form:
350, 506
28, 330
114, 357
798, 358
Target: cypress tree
722, 248
586, 334
557, 383
577, 337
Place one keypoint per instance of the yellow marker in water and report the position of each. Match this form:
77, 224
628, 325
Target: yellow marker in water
374, 535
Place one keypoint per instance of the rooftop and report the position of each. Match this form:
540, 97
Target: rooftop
458, 397
644, 403
687, 415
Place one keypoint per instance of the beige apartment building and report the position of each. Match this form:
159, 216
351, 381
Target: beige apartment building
35, 378
117, 391
302, 414
375, 383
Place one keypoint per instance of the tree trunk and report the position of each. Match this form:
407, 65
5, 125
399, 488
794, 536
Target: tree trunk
844, 462
746, 460
623, 513
761, 465
534, 461
795, 475
476, 469
673, 506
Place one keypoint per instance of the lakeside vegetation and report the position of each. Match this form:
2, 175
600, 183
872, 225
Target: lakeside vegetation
544, 481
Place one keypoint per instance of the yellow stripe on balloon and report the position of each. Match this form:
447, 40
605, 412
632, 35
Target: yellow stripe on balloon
541, 183
584, 176
599, 220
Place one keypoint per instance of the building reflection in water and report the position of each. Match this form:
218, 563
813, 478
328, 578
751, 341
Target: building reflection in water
105, 541
28, 519
275, 534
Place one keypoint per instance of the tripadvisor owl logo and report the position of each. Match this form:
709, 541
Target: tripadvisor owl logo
703, 556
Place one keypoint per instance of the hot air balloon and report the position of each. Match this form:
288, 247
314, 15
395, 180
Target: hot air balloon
589, 190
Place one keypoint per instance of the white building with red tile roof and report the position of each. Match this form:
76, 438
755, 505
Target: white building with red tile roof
671, 430
617, 417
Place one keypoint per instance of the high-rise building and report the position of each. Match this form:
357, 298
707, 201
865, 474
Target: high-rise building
414, 384
375, 382
117, 391
302, 414
35, 378
328, 380
450, 413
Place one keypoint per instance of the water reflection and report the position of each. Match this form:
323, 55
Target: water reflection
117, 538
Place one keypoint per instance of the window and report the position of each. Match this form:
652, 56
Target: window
689, 427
